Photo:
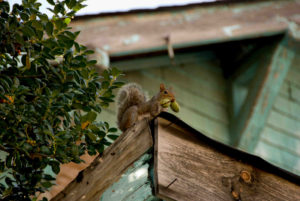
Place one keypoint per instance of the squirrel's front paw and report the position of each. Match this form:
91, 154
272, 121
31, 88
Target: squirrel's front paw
164, 109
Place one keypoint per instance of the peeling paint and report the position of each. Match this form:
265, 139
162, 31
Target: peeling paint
132, 39
251, 7
122, 23
191, 17
133, 185
106, 47
229, 29
293, 27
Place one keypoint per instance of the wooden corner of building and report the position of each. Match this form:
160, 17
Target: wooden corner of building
107, 169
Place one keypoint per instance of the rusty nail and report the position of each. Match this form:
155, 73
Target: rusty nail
246, 176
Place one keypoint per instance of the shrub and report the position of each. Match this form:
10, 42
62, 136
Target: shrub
50, 96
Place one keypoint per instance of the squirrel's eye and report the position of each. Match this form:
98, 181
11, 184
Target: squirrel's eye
165, 92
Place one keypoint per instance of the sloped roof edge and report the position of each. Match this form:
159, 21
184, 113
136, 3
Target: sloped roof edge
240, 155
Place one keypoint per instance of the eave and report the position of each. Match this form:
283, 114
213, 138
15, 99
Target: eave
142, 32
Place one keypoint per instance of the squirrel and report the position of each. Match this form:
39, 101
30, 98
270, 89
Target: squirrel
132, 105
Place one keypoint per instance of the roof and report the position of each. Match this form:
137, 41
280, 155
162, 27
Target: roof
104, 171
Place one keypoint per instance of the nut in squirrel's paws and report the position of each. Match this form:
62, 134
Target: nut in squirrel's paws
175, 106
165, 103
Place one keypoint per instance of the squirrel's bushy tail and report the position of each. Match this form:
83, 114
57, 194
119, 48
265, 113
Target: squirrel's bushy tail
129, 95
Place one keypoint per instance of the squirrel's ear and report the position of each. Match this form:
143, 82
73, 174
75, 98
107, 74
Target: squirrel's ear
162, 87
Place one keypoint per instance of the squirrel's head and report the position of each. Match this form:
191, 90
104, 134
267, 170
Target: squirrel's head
166, 93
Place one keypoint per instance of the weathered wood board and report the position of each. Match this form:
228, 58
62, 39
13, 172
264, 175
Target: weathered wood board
126, 33
190, 166
105, 170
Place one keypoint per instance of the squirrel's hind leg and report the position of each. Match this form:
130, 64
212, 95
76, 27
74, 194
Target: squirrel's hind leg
129, 118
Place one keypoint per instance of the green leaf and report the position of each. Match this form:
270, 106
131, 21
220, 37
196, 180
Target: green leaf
91, 62
57, 8
45, 150
37, 25
89, 52
28, 31
24, 16
100, 148
92, 136
91, 116
51, 2
112, 130
55, 166
19, 38
118, 84
71, 4
115, 71
59, 24
105, 84
49, 28
113, 137
67, 20
101, 134
43, 17
47, 184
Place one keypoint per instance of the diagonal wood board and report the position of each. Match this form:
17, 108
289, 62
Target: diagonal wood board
104, 171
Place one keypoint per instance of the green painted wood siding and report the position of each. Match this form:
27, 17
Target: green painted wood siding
280, 139
134, 185
197, 81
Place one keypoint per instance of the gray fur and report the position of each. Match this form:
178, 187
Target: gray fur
129, 95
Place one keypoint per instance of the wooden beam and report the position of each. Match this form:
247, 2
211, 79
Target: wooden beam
190, 166
250, 120
104, 171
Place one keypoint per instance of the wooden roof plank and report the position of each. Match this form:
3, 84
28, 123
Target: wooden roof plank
190, 166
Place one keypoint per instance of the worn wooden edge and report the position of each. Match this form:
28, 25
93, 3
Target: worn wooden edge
154, 129
94, 192
237, 154
161, 8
